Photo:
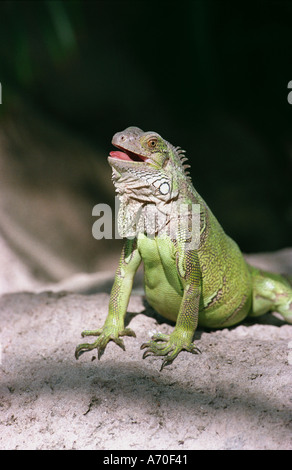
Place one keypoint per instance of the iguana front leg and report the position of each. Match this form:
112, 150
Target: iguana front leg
181, 338
113, 327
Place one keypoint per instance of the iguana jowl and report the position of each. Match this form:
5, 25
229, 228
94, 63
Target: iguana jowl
210, 285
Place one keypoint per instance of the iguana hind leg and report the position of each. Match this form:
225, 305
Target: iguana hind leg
271, 293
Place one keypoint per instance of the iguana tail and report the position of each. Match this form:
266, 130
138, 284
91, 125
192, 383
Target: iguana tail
271, 292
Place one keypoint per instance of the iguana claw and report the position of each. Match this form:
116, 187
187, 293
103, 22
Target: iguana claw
105, 335
170, 346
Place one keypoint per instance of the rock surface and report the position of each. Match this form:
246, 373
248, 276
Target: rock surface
235, 395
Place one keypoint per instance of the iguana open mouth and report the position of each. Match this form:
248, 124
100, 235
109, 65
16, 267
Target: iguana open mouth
127, 155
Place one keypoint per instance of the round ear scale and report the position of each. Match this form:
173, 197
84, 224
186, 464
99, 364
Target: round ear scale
164, 188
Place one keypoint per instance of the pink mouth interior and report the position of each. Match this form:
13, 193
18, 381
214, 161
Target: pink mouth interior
127, 155
120, 155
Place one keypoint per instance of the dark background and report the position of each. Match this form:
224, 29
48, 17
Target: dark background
210, 76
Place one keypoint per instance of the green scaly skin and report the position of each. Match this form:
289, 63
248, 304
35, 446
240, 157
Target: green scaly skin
210, 285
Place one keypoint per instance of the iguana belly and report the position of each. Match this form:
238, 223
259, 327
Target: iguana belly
162, 285
225, 298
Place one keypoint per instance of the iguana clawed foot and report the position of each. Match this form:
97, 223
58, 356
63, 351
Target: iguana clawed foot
170, 346
105, 334
160, 344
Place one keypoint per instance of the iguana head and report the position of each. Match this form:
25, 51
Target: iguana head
138, 147
146, 166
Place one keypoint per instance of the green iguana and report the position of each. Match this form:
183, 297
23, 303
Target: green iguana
209, 284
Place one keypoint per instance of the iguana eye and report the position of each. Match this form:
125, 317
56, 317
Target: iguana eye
152, 143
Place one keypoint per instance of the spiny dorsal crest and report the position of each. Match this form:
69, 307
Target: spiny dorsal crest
181, 154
